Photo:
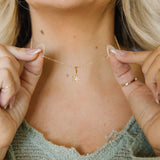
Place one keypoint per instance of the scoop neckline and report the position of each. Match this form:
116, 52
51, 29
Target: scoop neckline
42, 141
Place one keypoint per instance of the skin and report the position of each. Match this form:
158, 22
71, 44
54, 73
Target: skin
59, 108
67, 35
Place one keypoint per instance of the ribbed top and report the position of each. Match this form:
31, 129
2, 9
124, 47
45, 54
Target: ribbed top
130, 143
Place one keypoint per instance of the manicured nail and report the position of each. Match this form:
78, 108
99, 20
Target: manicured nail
5, 107
112, 50
157, 101
12, 101
120, 52
157, 97
10, 106
157, 93
42, 46
109, 48
33, 51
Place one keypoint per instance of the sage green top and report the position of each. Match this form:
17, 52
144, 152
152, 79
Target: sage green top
128, 144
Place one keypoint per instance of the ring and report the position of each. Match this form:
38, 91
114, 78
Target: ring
127, 83
6, 87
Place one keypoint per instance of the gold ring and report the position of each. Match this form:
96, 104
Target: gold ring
6, 87
127, 83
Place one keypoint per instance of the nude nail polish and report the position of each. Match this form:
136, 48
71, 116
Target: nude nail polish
157, 101
33, 51
5, 107
120, 52
10, 106
12, 101
112, 50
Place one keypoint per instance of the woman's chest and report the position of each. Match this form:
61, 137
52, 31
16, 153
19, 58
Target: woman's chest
80, 121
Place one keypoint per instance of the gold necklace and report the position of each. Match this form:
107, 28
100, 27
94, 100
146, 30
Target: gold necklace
75, 77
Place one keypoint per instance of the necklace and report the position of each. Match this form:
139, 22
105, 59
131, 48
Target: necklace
75, 76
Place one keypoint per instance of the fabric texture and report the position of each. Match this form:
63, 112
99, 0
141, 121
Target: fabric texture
128, 144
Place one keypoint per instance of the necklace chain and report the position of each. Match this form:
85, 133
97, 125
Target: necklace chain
75, 77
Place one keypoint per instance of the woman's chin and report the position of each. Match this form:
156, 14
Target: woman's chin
59, 4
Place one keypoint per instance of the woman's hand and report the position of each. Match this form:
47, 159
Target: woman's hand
17, 83
141, 97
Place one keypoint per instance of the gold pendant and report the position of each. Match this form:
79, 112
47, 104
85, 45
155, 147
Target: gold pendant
76, 77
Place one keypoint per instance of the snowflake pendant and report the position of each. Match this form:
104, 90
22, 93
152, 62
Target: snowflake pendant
76, 77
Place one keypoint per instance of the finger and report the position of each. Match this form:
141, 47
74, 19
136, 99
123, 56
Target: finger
7, 87
8, 62
29, 78
12, 101
122, 71
19, 53
149, 60
31, 73
158, 86
32, 66
131, 56
139, 96
150, 77
8, 57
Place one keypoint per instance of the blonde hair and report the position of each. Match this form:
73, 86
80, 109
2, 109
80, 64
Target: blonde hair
9, 26
143, 20
140, 22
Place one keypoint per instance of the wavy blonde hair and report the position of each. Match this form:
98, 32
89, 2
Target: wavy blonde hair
143, 21
139, 20
9, 26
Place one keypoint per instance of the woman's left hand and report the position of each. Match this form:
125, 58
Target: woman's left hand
143, 98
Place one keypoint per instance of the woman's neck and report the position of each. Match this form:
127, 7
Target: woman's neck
74, 36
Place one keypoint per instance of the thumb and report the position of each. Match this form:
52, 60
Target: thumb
32, 72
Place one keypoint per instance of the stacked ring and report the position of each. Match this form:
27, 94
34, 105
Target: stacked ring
127, 83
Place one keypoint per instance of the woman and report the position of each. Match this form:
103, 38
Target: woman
68, 101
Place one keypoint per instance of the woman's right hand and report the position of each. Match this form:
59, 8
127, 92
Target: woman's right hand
17, 84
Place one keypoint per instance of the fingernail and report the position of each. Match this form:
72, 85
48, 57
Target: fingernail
42, 46
112, 50
10, 106
157, 97
33, 51
157, 94
157, 101
120, 52
109, 48
12, 101
5, 107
